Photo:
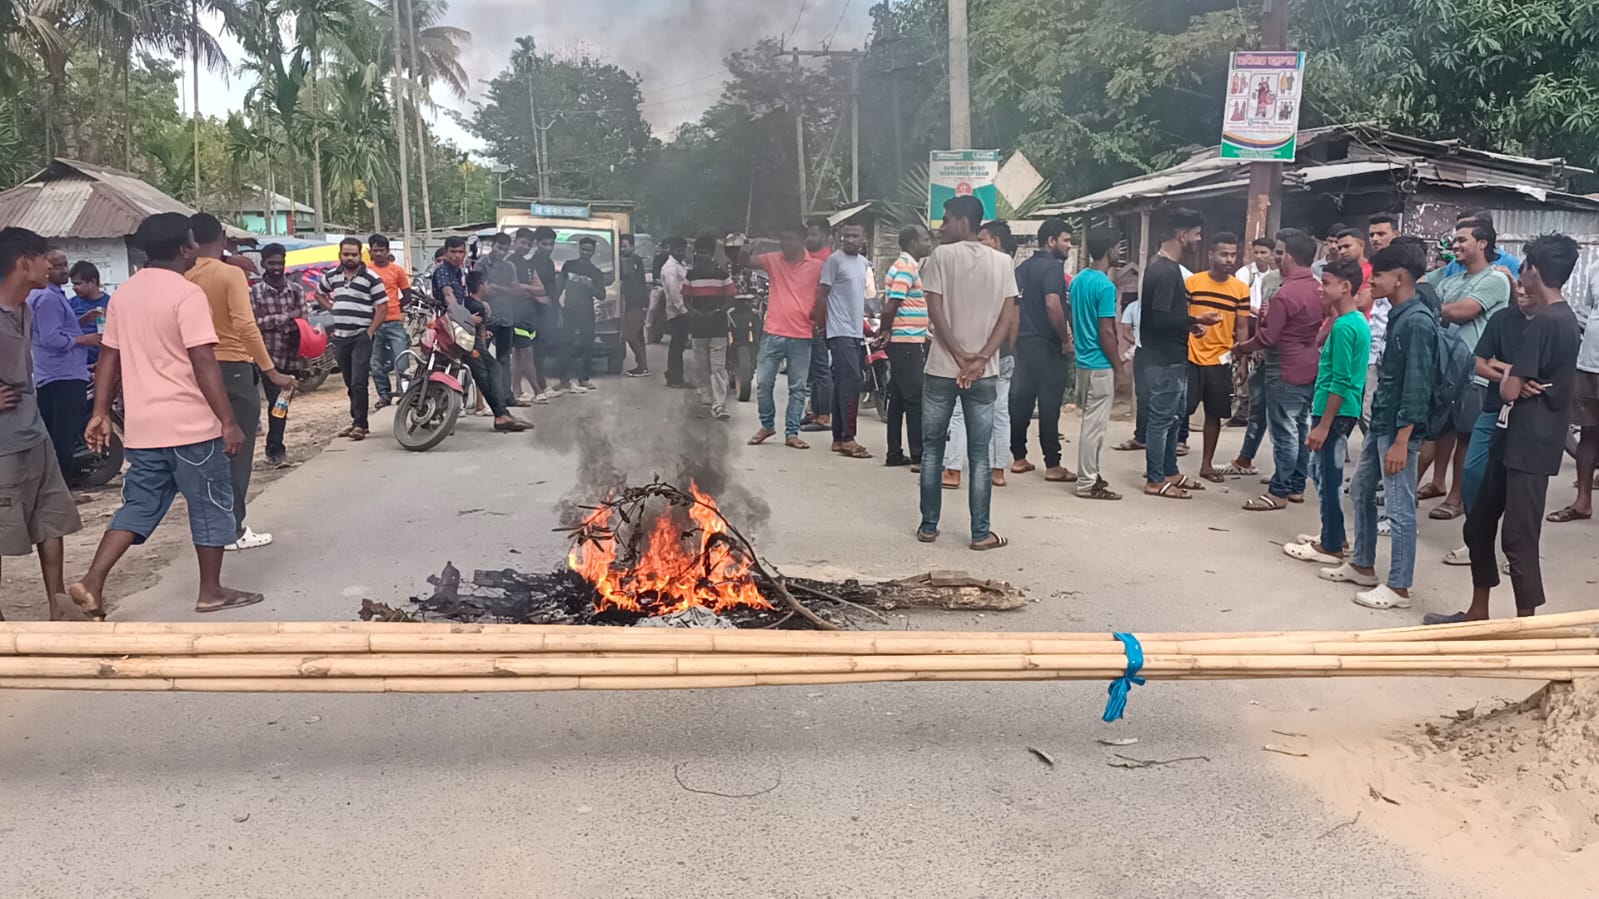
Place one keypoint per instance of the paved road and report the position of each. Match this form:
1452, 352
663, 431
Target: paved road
925, 790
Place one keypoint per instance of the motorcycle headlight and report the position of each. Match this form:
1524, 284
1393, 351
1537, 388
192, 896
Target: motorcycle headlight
464, 339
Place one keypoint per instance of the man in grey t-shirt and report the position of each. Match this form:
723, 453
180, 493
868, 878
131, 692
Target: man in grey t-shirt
36, 509
841, 304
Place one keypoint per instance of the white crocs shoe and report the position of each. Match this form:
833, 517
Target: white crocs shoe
1346, 574
250, 540
1307, 552
1381, 598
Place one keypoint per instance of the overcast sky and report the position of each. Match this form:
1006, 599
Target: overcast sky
677, 46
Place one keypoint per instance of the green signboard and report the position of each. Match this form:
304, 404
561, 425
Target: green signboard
960, 173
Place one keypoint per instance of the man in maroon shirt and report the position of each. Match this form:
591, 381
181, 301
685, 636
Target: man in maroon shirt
1288, 335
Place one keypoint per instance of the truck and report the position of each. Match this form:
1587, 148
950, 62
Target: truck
573, 220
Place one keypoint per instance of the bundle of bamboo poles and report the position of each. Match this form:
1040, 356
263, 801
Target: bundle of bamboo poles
355, 657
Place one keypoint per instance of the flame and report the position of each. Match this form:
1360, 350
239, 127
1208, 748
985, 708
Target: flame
678, 568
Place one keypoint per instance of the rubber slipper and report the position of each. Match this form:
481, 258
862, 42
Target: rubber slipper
1444, 513
92, 607
1451, 618
1215, 477
236, 601
1263, 503
1430, 491
796, 443
924, 537
1022, 467
1234, 471
1561, 516
1169, 490
1128, 446
812, 427
997, 543
761, 437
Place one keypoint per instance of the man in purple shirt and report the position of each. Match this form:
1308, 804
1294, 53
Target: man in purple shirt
1288, 335
60, 363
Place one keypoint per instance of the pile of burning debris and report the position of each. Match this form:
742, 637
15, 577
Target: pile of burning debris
656, 555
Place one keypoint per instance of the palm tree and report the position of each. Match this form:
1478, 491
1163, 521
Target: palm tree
279, 82
433, 54
315, 23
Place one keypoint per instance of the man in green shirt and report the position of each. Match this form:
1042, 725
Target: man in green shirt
1340, 391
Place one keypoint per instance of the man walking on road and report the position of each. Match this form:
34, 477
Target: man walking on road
390, 342
673, 275
1210, 381
278, 303
358, 300
1406, 384
971, 307
1166, 323
160, 350
707, 292
841, 312
1044, 348
1093, 301
792, 276
635, 305
904, 334
241, 353
36, 508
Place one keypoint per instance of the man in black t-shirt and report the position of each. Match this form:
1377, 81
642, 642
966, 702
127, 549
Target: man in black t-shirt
1165, 325
1529, 439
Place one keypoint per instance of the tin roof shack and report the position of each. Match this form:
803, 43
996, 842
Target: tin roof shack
89, 212
1346, 173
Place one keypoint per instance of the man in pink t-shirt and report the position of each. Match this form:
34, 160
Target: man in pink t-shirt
791, 299
159, 347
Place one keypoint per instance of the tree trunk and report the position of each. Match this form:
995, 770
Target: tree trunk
316, 185
377, 206
194, 23
421, 133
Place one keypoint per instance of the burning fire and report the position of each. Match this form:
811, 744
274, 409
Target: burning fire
677, 569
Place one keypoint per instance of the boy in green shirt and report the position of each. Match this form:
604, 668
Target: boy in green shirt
1340, 390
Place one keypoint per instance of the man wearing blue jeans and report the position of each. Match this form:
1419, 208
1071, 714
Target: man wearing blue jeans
792, 276
1400, 410
1165, 325
971, 306
390, 342
1288, 333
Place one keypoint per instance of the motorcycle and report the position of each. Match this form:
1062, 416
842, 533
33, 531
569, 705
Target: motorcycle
436, 388
874, 374
96, 469
316, 371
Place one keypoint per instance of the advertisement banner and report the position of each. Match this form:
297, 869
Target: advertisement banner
960, 173
1261, 118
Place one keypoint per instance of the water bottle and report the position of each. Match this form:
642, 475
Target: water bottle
280, 408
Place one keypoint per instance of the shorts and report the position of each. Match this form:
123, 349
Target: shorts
199, 471
35, 504
1211, 386
1585, 399
1468, 409
524, 335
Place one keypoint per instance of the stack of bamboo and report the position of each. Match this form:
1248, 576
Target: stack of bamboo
337, 657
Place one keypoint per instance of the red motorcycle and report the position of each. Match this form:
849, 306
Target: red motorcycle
874, 375
438, 377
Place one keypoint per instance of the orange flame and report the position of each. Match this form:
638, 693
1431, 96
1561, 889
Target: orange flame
676, 571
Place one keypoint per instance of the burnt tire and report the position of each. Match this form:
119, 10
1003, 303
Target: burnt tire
425, 415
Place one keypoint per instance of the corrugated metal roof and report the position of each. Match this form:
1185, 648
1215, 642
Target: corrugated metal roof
72, 199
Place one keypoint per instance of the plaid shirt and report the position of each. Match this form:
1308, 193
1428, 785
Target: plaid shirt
276, 308
1409, 370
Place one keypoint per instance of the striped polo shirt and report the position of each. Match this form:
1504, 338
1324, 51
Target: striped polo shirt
1230, 297
904, 284
355, 298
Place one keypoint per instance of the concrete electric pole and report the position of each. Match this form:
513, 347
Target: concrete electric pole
1266, 178
960, 88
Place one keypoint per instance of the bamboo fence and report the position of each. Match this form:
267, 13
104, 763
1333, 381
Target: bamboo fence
356, 657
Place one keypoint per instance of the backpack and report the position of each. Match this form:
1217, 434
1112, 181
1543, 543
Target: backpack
1455, 366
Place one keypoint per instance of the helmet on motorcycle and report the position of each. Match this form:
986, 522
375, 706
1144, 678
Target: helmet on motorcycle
313, 340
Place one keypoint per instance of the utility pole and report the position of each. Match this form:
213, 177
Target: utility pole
960, 86
541, 150
855, 129
405, 157
799, 132
1266, 178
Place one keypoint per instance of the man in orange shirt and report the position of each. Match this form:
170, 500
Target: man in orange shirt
240, 351
391, 340
1210, 379
160, 347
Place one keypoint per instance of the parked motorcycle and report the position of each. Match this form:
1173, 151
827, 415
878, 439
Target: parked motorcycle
316, 371
435, 389
874, 374
96, 469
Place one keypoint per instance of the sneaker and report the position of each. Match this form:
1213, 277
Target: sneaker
554, 393
541, 399
1384, 529
588, 386
277, 460
1381, 598
249, 540
638, 372
1346, 574
720, 414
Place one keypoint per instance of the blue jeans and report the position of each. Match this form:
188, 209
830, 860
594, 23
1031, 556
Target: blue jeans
977, 408
1330, 482
1400, 490
1256, 431
1482, 435
155, 477
1168, 405
387, 345
775, 349
1288, 417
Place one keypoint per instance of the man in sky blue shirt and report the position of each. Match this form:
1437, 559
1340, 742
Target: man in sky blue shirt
841, 309
1094, 323
89, 301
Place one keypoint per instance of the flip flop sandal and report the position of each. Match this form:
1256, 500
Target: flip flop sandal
924, 537
1233, 471
1451, 618
1215, 477
94, 611
1188, 483
234, 602
1430, 491
796, 443
1067, 478
812, 427
1458, 557
1444, 513
1099, 491
1128, 446
759, 439
358, 434
345, 431
1561, 516
1182, 450
1297, 499
1022, 467
859, 452
998, 543
1169, 490
1263, 503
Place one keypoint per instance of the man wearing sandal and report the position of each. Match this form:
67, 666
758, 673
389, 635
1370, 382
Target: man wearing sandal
1210, 372
792, 275
971, 308
1399, 414
160, 349
1166, 324
1340, 388
1093, 307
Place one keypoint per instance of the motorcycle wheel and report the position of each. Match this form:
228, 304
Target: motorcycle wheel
309, 383
880, 390
744, 369
425, 415
98, 470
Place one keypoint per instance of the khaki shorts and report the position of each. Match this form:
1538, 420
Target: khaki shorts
35, 504
1585, 400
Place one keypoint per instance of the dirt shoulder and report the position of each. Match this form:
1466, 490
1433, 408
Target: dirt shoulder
313, 418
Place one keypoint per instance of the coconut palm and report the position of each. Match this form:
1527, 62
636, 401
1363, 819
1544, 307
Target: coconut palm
432, 54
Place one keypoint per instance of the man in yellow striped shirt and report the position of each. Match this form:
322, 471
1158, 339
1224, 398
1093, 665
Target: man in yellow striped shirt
1210, 377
